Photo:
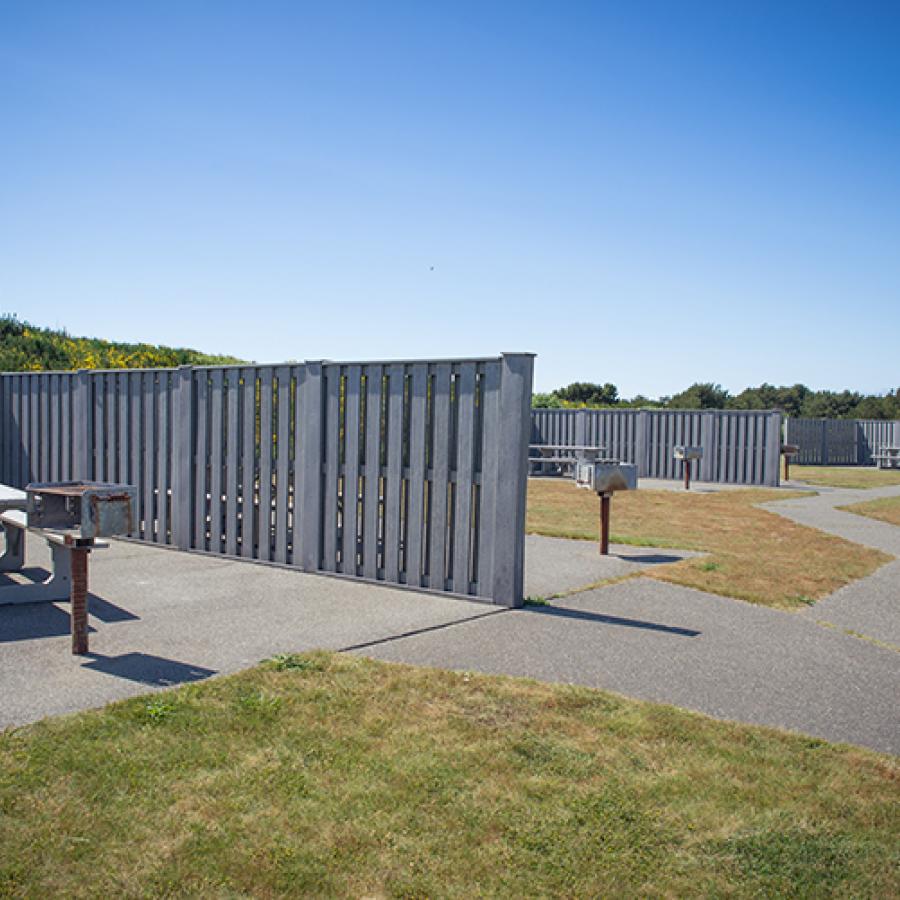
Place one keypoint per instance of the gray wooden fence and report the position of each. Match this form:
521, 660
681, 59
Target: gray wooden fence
410, 473
738, 447
844, 442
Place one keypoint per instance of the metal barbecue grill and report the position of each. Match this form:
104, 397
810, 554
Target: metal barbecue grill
83, 510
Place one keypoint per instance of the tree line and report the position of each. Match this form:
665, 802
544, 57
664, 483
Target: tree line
793, 400
27, 348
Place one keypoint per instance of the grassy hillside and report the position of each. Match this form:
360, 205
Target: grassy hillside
26, 348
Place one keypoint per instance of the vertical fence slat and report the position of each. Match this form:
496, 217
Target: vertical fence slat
440, 477
372, 478
265, 462
349, 553
416, 524
394, 474
333, 445
248, 463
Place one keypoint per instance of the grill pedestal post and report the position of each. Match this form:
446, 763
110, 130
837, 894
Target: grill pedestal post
604, 523
79, 600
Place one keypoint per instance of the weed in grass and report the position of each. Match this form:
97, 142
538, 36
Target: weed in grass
259, 702
709, 567
296, 662
536, 601
159, 708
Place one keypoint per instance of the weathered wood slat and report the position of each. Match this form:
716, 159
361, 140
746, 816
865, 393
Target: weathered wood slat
439, 512
333, 444
216, 461
233, 460
394, 478
416, 486
266, 451
201, 462
372, 478
248, 464
282, 463
349, 553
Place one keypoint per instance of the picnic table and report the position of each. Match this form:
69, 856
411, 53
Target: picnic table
68, 580
887, 458
559, 455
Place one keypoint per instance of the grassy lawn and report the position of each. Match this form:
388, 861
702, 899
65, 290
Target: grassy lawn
886, 509
845, 476
753, 554
327, 775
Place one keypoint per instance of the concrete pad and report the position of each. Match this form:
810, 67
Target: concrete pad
558, 565
160, 617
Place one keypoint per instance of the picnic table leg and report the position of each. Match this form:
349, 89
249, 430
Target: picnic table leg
604, 523
79, 598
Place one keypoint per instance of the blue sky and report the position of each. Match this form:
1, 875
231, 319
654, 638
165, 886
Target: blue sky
645, 193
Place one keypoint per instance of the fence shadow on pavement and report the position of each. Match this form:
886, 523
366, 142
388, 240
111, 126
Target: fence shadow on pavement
144, 668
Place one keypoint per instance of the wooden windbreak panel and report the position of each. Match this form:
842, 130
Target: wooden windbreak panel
388, 471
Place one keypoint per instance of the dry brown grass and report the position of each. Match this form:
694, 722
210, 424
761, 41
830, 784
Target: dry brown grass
885, 509
753, 554
845, 476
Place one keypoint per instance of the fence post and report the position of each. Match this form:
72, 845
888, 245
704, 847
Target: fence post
581, 428
82, 417
310, 435
516, 374
709, 443
640, 443
183, 464
772, 461
824, 439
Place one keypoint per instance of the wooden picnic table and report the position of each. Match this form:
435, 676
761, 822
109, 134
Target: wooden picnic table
555, 455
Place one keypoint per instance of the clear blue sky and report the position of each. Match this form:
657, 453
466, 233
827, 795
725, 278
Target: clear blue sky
644, 193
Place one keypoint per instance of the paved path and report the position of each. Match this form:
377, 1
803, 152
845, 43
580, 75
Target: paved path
163, 617
870, 606
672, 644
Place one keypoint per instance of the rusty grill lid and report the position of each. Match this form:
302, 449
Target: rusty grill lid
73, 488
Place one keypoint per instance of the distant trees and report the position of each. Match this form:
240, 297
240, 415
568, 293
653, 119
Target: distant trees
793, 400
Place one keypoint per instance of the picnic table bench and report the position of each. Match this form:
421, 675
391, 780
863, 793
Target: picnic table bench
69, 552
14, 521
555, 454
887, 458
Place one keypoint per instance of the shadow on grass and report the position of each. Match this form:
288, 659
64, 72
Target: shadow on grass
651, 559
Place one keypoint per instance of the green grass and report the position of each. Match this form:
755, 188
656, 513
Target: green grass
855, 477
327, 775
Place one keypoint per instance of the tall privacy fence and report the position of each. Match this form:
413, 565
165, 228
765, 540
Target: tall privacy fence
410, 473
738, 447
848, 442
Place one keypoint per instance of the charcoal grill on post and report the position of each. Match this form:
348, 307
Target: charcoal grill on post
687, 454
606, 476
76, 513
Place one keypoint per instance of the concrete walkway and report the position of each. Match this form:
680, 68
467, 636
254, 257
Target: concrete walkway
871, 606
163, 617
